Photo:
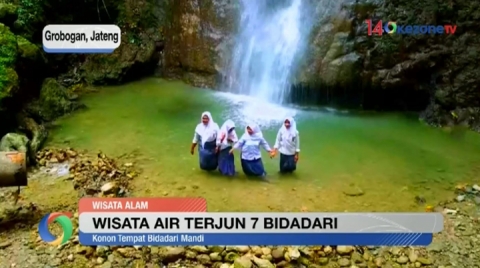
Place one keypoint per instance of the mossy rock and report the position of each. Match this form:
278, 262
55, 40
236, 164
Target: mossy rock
125, 61
27, 50
8, 82
8, 58
54, 101
8, 12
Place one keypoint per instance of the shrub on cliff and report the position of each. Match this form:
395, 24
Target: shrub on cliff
8, 13
8, 59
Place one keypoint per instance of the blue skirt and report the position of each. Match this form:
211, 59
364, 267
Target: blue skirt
287, 163
253, 168
226, 162
207, 156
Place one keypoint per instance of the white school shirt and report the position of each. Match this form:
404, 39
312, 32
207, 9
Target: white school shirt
203, 131
286, 144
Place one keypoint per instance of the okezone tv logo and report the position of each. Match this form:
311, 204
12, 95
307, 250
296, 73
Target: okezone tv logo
63, 219
390, 27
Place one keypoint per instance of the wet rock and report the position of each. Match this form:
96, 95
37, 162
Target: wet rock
424, 261
356, 257
109, 188
100, 260
190, 254
4, 245
216, 248
402, 259
261, 263
199, 249
435, 247
240, 249
277, 253
266, 251
203, 259
323, 261
353, 190
231, 256
379, 262
172, 254
292, 254
413, 256
476, 187
343, 262
215, 256
343, 250
242, 262
101, 251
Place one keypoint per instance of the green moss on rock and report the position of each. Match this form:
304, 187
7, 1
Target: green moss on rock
7, 11
8, 57
54, 101
112, 68
26, 49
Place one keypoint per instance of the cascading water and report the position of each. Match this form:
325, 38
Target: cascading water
272, 35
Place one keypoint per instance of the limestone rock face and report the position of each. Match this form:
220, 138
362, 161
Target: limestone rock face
436, 72
198, 39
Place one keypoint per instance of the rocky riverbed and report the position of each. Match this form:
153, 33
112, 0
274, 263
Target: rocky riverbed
457, 246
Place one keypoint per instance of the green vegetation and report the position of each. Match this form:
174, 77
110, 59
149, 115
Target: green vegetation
8, 57
135, 17
26, 49
7, 10
30, 14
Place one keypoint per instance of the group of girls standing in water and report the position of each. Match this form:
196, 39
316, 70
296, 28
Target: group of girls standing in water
216, 146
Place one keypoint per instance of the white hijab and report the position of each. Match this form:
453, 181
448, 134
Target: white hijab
290, 132
207, 131
228, 125
257, 132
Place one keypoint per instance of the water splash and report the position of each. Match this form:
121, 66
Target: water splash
245, 109
272, 35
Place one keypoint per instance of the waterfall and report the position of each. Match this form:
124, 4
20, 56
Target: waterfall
272, 36
269, 45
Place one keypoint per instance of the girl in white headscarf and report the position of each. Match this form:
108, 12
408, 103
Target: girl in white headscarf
206, 134
251, 156
288, 144
225, 140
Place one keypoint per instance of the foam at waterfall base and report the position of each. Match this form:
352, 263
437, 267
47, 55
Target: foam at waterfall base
244, 109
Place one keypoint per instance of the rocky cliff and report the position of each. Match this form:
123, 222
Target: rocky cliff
198, 40
433, 73
343, 66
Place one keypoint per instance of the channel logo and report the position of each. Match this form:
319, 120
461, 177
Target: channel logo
63, 219
392, 27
